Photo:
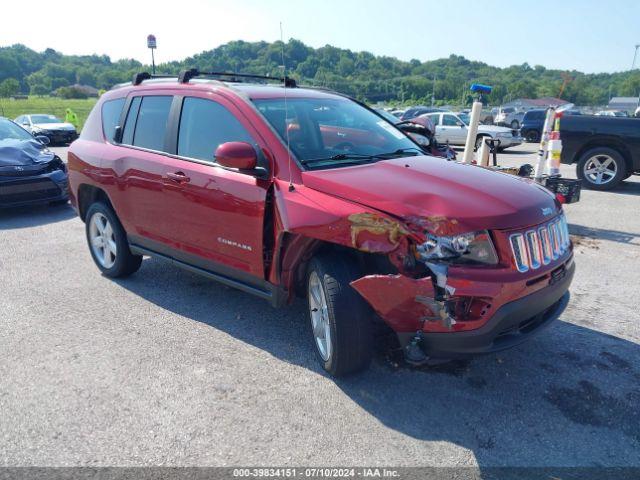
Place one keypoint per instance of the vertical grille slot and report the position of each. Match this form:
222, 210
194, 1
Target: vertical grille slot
540, 246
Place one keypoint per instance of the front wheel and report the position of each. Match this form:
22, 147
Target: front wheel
340, 319
515, 125
601, 168
108, 243
479, 140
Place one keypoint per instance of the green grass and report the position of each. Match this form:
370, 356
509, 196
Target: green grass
55, 106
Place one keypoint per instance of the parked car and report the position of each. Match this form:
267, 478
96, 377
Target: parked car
606, 150
452, 128
612, 113
422, 130
487, 116
310, 193
29, 172
50, 126
532, 125
509, 116
414, 112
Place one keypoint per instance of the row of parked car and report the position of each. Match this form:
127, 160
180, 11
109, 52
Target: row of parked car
452, 127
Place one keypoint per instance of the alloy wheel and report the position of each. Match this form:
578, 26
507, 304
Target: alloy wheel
103, 241
600, 169
319, 316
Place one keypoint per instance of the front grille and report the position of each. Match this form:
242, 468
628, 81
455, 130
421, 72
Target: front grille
540, 245
16, 192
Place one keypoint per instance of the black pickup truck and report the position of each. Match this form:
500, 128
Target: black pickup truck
606, 149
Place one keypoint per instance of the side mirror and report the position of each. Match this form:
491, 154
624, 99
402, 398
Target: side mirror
43, 139
461, 125
240, 155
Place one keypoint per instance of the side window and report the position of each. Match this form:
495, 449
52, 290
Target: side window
449, 121
111, 116
435, 118
151, 124
130, 122
204, 125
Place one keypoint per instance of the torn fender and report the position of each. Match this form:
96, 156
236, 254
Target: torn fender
304, 216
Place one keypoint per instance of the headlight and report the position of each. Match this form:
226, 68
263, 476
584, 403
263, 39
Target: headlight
469, 248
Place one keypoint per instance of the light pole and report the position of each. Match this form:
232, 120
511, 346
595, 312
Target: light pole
633, 65
151, 45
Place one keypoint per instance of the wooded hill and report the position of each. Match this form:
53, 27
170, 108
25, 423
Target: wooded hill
361, 74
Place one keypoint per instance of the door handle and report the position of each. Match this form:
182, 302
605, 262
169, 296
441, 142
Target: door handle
178, 177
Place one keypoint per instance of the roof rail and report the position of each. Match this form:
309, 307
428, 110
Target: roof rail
138, 78
187, 75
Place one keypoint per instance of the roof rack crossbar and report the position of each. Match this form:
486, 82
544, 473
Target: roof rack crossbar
187, 75
138, 78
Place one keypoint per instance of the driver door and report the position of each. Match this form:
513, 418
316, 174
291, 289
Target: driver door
453, 130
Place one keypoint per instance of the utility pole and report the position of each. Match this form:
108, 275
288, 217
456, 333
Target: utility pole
433, 91
633, 65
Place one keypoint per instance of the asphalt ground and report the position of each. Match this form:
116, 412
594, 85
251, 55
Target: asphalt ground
167, 368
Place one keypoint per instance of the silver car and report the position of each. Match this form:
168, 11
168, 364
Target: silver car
452, 128
509, 117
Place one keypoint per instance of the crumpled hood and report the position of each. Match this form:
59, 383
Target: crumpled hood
23, 153
54, 126
428, 189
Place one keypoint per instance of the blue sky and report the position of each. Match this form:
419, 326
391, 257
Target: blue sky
588, 35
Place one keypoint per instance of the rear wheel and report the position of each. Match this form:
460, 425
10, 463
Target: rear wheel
108, 243
601, 168
340, 319
532, 136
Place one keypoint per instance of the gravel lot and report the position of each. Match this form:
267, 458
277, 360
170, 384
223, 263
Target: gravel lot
167, 368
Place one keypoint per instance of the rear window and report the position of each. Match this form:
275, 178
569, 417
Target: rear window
111, 116
148, 128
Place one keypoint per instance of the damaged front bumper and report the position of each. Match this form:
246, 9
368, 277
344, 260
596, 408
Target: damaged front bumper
482, 313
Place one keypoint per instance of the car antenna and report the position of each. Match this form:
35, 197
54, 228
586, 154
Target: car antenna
286, 110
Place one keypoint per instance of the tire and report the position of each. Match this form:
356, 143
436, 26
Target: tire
532, 136
515, 125
111, 254
345, 321
479, 140
615, 168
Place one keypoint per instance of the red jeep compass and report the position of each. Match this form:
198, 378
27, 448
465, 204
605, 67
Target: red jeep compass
278, 190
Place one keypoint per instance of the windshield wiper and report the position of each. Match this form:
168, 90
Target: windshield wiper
401, 151
361, 156
341, 156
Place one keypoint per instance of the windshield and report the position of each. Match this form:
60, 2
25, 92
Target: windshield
464, 117
328, 132
389, 116
45, 119
9, 130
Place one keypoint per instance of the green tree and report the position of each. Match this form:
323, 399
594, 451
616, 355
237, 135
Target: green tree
9, 87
